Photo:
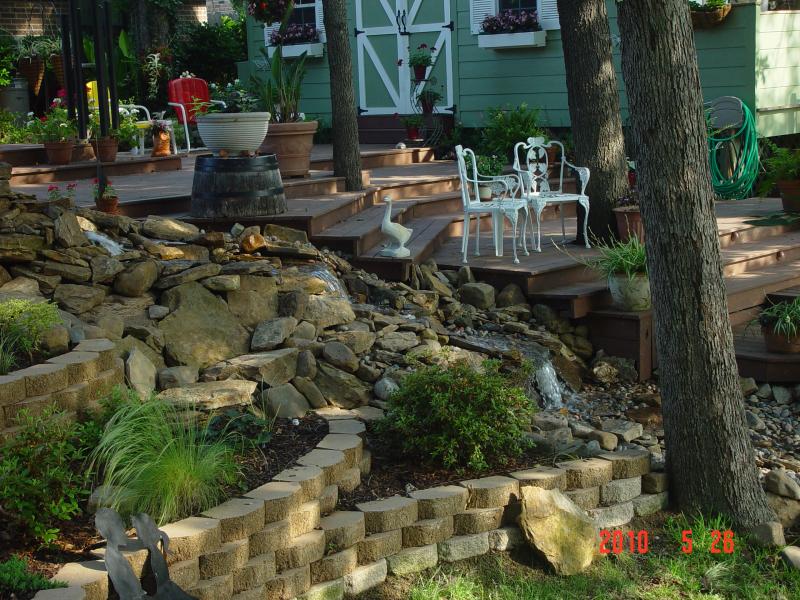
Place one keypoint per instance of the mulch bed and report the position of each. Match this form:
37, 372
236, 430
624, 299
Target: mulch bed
393, 474
78, 536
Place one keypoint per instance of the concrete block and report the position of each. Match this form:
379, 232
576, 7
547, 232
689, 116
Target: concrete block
256, 593
300, 551
548, 478
332, 462
392, 513
343, 529
288, 585
304, 519
477, 520
620, 490
311, 481
628, 463
491, 492
347, 426
427, 532
444, 501
191, 537
379, 545
334, 566
330, 590
81, 366
616, 515
12, 388
218, 588
506, 539
280, 498
463, 546
365, 466
91, 576
185, 573
328, 499
655, 483
350, 445
239, 518
105, 349
413, 560
44, 379
365, 578
647, 504
587, 472
350, 480
586, 498
254, 573
224, 560
269, 539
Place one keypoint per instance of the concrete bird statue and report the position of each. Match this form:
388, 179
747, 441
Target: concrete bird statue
397, 234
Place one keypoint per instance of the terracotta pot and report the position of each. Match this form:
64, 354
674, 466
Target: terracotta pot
630, 294
57, 62
780, 343
419, 72
105, 149
59, 153
291, 143
632, 179
629, 223
161, 144
705, 19
412, 133
790, 194
33, 70
108, 205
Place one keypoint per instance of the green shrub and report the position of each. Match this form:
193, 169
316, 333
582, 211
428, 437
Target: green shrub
156, 462
781, 164
783, 318
211, 51
42, 479
16, 581
459, 417
22, 324
505, 127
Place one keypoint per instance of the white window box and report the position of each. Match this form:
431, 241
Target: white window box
525, 39
315, 49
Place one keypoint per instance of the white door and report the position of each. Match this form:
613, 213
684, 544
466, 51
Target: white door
387, 30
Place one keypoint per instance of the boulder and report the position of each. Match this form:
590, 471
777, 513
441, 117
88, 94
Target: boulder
359, 342
272, 333
136, 279
479, 295
285, 401
164, 228
105, 268
557, 529
255, 301
340, 356
78, 298
384, 388
222, 283
398, 341
67, 272
140, 373
193, 274
68, 232
511, 295
778, 482
200, 330
173, 377
328, 311
340, 388
292, 303
310, 390
211, 395
55, 340
273, 368
786, 509
128, 343
305, 331
306, 364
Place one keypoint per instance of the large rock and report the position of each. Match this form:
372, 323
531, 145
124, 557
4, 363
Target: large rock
211, 395
286, 402
341, 388
558, 529
340, 356
127, 344
273, 368
164, 228
778, 482
68, 232
255, 301
398, 341
105, 268
173, 377
479, 295
511, 295
328, 311
193, 274
78, 298
272, 333
200, 331
136, 279
786, 509
359, 342
140, 373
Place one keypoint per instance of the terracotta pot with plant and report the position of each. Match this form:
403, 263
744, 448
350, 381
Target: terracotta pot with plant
160, 129
105, 197
57, 132
783, 172
629, 218
420, 60
105, 147
427, 100
489, 165
780, 325
412, 123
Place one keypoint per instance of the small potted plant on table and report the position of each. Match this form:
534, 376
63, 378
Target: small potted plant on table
412, 123
780, 325
420, 60
629, 218
106, 200
624, 265
57, 132
783, 172
229, 125
489, 165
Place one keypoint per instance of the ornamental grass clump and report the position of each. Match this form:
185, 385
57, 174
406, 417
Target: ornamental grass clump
459, 417
154, 460
782, 318
627, 258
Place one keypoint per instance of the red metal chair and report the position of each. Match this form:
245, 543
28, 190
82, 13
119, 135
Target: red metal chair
183, 94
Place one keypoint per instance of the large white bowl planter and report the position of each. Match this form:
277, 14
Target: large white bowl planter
630, 294
233, 133
524, 39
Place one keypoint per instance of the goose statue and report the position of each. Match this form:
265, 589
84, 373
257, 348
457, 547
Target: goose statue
397, 234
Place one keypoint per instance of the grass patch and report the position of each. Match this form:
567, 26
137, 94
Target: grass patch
664, 573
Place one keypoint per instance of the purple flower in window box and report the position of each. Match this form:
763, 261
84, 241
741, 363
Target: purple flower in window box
510, 21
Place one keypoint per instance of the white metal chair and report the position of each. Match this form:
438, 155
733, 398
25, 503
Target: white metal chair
504, 203
534, 175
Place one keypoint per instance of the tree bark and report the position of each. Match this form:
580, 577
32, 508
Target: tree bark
346, 153
594, 109
709, 456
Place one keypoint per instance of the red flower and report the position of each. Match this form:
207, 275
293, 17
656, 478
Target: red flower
422, 46
62, 93
43, 118
52, 188
95, 180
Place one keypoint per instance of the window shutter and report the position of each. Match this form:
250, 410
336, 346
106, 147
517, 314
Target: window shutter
479, 10
548, 14
320, 21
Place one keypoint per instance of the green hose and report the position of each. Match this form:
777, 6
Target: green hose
737, 184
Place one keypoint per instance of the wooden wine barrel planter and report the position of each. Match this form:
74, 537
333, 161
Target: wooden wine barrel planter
237, 187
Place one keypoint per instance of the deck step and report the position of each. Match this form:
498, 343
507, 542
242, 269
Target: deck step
752, 255
755, 361
787, 295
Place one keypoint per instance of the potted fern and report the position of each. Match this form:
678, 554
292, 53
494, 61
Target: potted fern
624, 265
783, 172
489, 165
780, 325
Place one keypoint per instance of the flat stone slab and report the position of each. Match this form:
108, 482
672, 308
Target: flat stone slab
347, 426
626, 430
211, 395
392, 513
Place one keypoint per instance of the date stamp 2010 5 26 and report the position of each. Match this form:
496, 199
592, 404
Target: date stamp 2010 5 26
638, 542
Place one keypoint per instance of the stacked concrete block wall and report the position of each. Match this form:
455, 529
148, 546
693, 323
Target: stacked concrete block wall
286, 539
73, 381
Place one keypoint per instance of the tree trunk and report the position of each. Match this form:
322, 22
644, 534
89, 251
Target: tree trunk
594, 109
346, 154
709, 456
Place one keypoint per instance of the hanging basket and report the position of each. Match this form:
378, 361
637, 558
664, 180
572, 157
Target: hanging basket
706, 19
32, 69
57, 62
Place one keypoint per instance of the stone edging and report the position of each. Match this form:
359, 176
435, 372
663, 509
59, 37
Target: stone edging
286, 540
72, 381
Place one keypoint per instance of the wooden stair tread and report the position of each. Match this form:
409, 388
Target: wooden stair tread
787, 294
754, 249
425, 231
364, 222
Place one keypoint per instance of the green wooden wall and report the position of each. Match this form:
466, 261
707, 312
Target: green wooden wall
751, 55
777, 68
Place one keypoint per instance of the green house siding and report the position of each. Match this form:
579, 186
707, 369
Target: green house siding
777, 68
752, 55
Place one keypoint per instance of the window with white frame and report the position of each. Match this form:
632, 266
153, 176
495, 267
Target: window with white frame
546, 11
305, 12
